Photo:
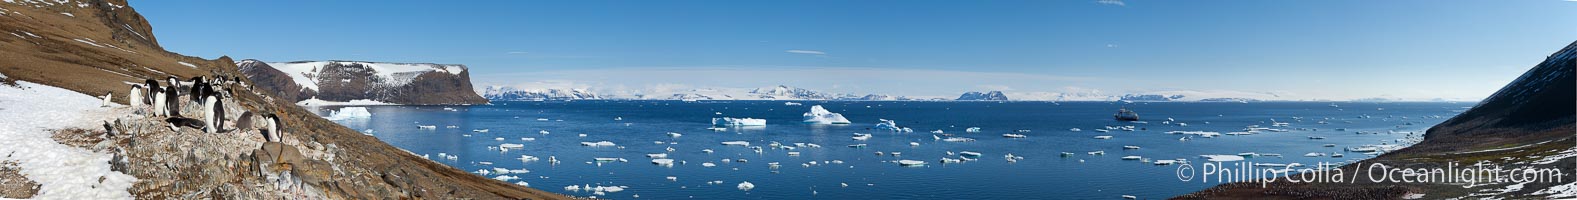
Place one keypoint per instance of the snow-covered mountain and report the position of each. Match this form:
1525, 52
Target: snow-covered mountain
505, 93
786, 92
343, 81
987, 96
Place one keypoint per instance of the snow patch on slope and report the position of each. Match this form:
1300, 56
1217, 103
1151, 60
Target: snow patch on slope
392, 74
64, 172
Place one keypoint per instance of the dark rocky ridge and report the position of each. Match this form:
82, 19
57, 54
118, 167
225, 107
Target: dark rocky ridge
353, 80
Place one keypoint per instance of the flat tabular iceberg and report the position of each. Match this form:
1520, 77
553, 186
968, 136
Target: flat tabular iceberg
729, 121
349, 113
819, 115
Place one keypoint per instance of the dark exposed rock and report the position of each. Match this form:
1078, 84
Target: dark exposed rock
988, 96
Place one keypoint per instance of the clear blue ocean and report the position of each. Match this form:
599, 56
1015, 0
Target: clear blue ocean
1042, 173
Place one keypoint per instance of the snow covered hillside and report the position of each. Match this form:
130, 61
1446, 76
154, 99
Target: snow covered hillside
347, 81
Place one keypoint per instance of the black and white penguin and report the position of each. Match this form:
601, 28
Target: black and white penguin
147, 96
196, 92
176, 123
274, 132
107, 101
158, 104
134, 97
213, 110
172, 100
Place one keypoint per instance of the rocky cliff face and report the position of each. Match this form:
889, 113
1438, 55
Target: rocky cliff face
988, 96
98, 47
399, 83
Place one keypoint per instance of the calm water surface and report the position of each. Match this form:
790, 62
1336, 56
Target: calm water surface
1043, 173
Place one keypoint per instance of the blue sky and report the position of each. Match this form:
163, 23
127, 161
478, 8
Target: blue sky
1297, 49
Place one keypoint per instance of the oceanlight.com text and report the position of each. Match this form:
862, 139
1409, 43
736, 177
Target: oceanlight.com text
1266, 173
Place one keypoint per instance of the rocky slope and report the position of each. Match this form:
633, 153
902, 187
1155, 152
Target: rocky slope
342, 81
96, 47
1528, 124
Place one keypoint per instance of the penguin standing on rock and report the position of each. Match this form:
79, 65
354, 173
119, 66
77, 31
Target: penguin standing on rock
158, 101
213, 110
197, 90
274, 132
172, 99
134, 98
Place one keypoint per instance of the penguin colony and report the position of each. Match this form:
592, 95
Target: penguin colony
204, 98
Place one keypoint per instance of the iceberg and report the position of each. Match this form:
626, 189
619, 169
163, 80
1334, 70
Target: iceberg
348, 113
511, 146
746, 186
1222, 158
737, 143
729, 121
890, 125
819, 115
911, 163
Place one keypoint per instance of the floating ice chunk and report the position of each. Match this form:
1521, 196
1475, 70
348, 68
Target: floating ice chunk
663, 161
819, 115
527, 158
729, 121
1103, 137
1075, 129
708, 164
737, 143
914, 144
597, 144
528, 139
911, 163
1165, 162
746, 186
523, 183
972, 130
544, 132
498, 139
604, 159
673, 134
479, 130
348, 113
505, 177
1131, 157
858, 136
1010, 135
672, 178
427, 127
792, 104
958, 139
890, 125
511, 146
969, 154
1222, 158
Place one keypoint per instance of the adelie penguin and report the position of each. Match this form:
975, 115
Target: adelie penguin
213, 110
172, 100
196, 92
158, 104
134, 98
273, 126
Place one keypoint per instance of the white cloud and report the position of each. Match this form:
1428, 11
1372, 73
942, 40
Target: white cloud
814, 52
1112, 2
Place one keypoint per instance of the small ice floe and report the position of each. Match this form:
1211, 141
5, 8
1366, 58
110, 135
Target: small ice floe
1204, 134
938, 131
1222, 158
603, 159
1314, 154
911, 163
1130, 147
1101, 130
972, 130
746, 186
958, 139
895, 153
483, 172
657, 155
857, 146
729, 121
792, 103
819, 115
1012, 158
969, 154
914, 144
484, 163
498, 139
657, 142
707, 150
597, 144
663, 161
670, 149
673, 178
858, 136
1336, 155
544, 132
708, 164
1010, 135
1067, 154
523, 183
618, 118
511, 146
736, 143
542, 119
1165, 162
1316, 138
582, 135
451, 126
793, 153
1103, 137
1130, 197
717, 129
1075, 129
1097, 153
1131, 157
528, 139
426, 127
505, 177
673, 134
527, 158
479, 130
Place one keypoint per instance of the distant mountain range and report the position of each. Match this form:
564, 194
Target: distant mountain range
784, 92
